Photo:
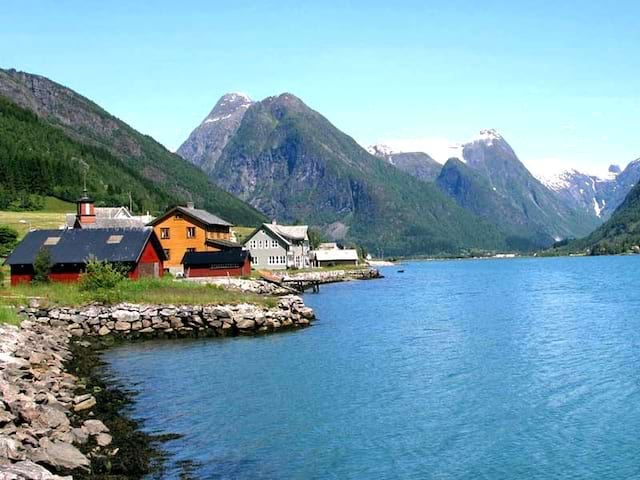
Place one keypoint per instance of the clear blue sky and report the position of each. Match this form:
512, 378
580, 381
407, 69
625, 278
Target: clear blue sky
560, 80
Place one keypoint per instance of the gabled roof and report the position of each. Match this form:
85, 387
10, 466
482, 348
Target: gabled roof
104, 222
227, 257
288, 234
204, 217
76, 245
334, 254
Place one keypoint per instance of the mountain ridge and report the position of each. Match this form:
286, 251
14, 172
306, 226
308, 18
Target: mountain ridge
85, 122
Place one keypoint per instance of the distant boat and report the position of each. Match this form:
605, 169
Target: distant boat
400, 271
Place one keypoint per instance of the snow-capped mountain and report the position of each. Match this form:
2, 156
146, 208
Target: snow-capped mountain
592, 193
205, 144
417, 164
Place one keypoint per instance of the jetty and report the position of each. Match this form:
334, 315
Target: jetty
298, 284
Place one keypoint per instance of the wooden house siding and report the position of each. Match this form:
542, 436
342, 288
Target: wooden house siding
178, 241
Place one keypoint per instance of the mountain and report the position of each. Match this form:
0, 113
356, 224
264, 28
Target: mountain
619, 234
291, 163
476, 193
205, 144
70, 132
593, 194
416, 164
499, 188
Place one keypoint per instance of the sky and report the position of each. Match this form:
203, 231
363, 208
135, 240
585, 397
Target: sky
558, 80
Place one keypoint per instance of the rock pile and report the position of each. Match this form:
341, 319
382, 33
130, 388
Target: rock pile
38, 400
133, 320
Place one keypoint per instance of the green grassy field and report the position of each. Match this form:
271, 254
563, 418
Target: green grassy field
52, 216
152, 291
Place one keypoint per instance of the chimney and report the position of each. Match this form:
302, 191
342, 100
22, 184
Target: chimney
85, 209
273, 222
190, 205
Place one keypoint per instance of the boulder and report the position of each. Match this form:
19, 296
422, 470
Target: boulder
104, 331
103, 439
125, 316
246, 324
59, 455
86, 405
122, 326
94, 427
27, 470
10, 448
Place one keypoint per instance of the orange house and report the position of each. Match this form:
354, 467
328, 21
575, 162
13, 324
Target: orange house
190, 229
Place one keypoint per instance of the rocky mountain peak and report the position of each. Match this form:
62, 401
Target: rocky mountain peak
205, 144
381, 150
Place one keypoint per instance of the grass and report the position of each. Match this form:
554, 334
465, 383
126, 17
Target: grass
8, 315
152, 291
51, 216
242, 233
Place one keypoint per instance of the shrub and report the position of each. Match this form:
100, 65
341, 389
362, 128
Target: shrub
42, 266
101, 276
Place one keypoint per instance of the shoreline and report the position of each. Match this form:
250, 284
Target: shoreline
65, 417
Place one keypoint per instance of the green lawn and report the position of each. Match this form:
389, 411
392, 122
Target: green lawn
152, 291
8, 315
52, 216
242, 233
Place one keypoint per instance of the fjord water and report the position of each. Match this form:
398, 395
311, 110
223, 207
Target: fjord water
501, 369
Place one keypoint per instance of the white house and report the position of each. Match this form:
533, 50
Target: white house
328, 254
277, 247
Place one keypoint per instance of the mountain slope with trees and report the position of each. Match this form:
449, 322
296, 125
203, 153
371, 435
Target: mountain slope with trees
120, 159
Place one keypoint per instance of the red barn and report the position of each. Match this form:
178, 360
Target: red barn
234, 262
139, 250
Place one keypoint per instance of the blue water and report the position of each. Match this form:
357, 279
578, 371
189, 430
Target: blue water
497, 369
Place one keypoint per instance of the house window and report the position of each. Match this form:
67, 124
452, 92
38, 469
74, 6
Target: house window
178, 216
114, 239
274, 244
283, 260
254, 260
164, 233
253, 244
167, 253
191, 250
52, 241
191, 232
259, 243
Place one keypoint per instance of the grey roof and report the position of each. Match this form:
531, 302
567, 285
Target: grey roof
225, 244
202, 215
76, 245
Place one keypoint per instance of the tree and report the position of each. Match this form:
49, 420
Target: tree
315, 238
8, 240
42, 266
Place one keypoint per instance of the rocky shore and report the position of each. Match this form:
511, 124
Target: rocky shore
133, 320
52, 408
263, 287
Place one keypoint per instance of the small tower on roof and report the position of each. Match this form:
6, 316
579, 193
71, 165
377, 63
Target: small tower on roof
86, 212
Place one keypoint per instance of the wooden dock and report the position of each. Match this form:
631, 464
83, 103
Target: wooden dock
297, 285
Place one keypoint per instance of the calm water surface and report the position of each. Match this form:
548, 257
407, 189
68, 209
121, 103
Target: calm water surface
496, 369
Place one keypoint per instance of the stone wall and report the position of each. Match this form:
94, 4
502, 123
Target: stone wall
133, 320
